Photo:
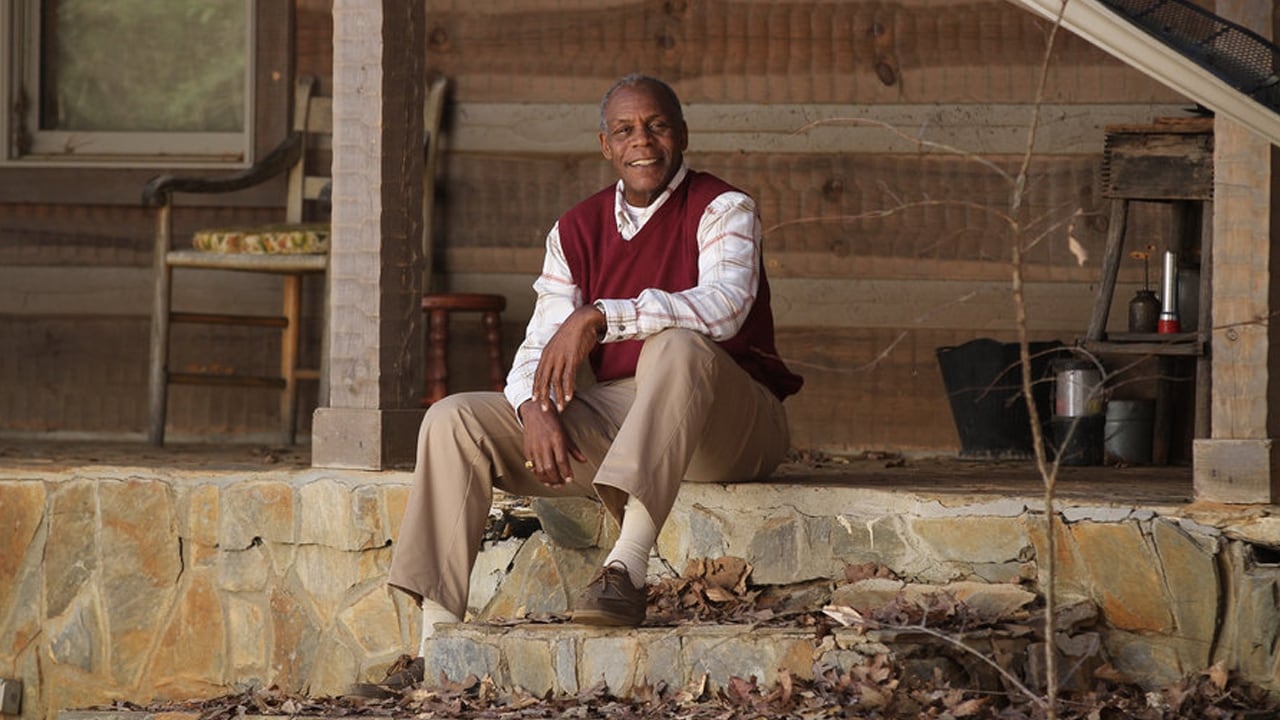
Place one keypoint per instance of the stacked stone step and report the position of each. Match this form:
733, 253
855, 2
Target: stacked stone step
568, 659
522, 589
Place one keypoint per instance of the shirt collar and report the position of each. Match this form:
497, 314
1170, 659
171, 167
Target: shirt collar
626, 227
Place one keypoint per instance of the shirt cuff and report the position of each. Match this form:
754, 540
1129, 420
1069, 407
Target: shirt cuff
619, 319
516, 394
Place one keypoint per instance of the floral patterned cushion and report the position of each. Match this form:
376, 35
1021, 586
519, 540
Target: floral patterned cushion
304, 238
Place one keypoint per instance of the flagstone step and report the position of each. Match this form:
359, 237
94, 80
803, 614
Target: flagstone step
568, 658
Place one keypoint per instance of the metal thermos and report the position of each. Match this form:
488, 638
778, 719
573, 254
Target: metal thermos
1169, 322
1144, 312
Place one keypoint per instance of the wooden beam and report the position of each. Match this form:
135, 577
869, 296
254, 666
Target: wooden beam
1239, 462
764, 52
971, 305
375, 267
800, 264
983, 129
122, 291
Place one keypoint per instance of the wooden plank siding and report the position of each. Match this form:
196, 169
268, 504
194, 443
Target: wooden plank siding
880, 251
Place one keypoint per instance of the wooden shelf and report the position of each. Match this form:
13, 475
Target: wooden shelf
1171, 163
1169, 344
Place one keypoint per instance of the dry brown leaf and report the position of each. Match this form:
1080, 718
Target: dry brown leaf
718, 594
784, 684
740, 690
844, 615
968, 708
1077, 250
1217, 674
728, 572
867, 570
872, 696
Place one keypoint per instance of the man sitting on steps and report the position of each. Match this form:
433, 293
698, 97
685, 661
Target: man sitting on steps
658, 282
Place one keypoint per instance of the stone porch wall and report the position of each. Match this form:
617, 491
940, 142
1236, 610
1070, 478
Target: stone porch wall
139, 584
134, 588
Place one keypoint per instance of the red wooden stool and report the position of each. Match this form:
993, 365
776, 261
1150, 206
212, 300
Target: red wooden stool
438, 306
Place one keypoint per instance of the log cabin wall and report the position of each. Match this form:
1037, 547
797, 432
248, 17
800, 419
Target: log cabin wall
878, 251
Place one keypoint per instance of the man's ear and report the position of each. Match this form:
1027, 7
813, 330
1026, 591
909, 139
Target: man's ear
604, 147
684, 136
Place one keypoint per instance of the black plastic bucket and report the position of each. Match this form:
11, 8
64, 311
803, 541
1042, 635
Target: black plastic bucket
1077, 440
983, 380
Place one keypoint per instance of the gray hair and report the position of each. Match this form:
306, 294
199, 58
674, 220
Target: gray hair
636, 80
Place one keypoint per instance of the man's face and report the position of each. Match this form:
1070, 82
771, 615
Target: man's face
643, 140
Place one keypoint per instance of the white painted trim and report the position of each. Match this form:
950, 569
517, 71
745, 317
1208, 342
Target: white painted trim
1096, 24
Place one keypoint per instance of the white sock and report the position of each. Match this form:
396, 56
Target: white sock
432, 613
635, 540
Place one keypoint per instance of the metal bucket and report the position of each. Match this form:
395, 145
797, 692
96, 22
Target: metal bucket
983, 380
1077, 440
1128, 431
1078, 386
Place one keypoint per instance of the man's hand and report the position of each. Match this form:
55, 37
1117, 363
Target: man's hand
547, 446
563, 355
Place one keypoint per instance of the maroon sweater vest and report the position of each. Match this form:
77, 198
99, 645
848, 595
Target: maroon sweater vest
663, 255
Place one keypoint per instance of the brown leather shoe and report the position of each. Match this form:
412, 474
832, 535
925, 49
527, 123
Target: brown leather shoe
611, 599
403, 675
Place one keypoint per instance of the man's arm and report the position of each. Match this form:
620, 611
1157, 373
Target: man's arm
729, 239
558, 296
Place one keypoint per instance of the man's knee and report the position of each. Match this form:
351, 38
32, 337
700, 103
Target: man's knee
444, 411
674, 346
454, 411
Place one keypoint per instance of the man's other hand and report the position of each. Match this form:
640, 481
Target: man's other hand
546, 445
553, 382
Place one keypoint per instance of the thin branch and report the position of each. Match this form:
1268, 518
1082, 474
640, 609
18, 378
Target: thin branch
1008, 676
1048, 474
845, 617
919, 141
888, 212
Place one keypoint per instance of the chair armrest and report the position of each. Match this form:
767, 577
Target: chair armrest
160, 188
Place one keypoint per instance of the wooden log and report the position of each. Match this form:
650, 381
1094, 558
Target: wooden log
844, 205
758, 51
809, 127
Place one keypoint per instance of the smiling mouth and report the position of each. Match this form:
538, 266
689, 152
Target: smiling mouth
643, 163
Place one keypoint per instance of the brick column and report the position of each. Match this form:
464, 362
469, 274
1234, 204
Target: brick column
1240, 460
375, 267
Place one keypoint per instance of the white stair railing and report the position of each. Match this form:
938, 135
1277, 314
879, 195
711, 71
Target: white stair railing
1095, 23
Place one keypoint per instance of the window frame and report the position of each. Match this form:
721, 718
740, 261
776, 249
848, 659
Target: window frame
130, 149
64, 181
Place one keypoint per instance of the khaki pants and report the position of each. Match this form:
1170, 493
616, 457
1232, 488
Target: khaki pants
689, 414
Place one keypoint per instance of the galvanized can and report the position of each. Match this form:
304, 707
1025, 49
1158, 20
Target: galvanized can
1128, 430
1078, 385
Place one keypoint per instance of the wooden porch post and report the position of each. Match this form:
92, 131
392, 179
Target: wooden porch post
375, 265
1240, 460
